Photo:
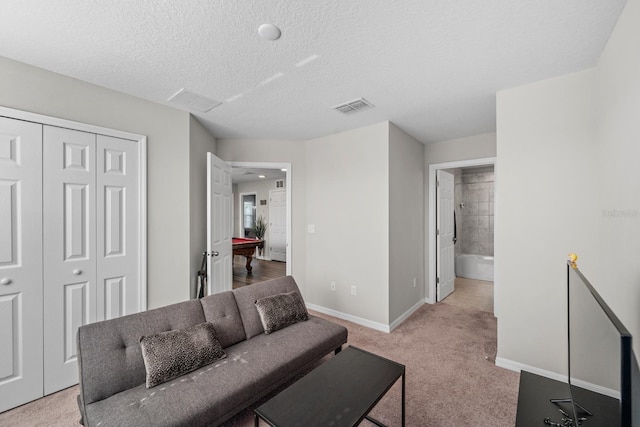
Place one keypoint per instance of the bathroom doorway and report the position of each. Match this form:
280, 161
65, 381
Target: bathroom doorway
473, 213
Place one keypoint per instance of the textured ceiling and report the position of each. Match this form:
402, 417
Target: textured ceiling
430, 66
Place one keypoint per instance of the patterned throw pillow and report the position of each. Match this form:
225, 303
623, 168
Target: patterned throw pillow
170, 354
279, 311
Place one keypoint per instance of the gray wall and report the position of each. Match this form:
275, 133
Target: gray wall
347, 195
406, 222
201, 142
28, 88
342, 184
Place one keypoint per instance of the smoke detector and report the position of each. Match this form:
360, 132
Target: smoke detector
354, 106
192, 101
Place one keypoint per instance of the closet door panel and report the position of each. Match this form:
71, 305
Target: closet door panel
117, 217
21, 353
69, 202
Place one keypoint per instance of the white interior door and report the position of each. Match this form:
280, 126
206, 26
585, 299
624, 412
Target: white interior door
117, 224
219, 226
444, 235
278, 225
69, 202
21, 352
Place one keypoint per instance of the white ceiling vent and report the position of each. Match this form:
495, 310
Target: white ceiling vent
192, 101
353, 106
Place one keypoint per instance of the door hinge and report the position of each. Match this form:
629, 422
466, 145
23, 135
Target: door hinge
438, 232
437, 280
437, 184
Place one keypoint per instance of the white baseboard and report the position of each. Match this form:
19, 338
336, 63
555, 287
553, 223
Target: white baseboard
365, 322
350, 318
406, 315
517, 366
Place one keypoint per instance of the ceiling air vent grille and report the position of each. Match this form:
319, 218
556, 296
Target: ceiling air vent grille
192, 101
354, 106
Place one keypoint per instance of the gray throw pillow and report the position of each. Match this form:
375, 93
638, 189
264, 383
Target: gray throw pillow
281, 310
170, 354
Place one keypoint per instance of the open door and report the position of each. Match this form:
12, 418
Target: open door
219, 226
445, 268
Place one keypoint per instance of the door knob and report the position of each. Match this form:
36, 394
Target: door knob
77, 271
5, 281
215, 253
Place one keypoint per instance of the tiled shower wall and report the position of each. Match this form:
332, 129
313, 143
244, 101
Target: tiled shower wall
475, 217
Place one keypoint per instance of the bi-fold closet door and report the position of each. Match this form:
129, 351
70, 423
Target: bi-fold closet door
21, 350
72, 221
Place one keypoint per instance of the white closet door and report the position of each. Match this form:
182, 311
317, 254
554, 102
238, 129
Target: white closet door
117, 222
69, 202
20, 262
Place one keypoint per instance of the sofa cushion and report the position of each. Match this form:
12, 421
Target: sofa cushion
109, 356
168, 355
281, 310
247, 296
222, 312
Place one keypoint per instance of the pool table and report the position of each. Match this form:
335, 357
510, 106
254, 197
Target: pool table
246, 248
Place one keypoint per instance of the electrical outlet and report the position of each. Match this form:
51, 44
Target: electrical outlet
333, 286
414, 282
353, 289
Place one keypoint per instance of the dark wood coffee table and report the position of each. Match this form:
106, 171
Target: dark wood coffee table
340, 392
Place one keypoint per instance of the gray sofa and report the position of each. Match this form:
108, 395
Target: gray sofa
112, 370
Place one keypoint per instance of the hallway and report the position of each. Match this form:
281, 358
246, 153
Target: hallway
472, 293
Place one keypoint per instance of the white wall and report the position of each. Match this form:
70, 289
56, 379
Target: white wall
347, 197
201, 142
547, 193
618, 110
574, 140
406, 222
469, 148
27, 88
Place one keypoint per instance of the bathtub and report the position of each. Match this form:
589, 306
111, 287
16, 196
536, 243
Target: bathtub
477, 267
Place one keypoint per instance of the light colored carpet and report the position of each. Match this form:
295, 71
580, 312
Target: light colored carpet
450, 377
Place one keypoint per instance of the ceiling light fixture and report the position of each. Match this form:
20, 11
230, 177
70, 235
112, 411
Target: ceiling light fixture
261, 176
269, 32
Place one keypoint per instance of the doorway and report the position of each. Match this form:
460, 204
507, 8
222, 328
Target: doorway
468, 211
247, 214
255, 186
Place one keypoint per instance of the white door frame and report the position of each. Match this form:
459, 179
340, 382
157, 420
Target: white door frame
142, 178
431, 234
276, 165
